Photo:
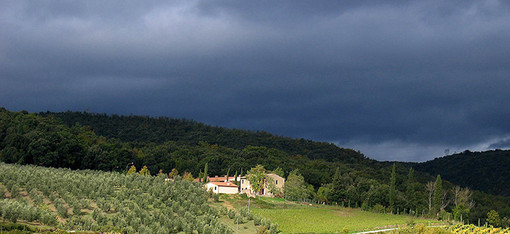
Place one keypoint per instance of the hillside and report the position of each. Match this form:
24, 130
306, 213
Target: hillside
485, 171
101, 142
163, 129
111, 143
104, 201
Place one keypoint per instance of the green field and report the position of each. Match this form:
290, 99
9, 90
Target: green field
293, 217
320, 219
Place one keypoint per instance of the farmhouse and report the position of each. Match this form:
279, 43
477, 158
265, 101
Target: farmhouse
222, 187
273, 185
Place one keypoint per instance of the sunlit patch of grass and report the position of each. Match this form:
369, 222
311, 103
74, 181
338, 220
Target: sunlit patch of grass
322, 219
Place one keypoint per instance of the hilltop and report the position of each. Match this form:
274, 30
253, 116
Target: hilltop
485, 171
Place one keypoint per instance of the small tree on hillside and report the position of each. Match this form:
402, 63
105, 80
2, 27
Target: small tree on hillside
144, 171
493, 218
132, 170
188, 176
173, 173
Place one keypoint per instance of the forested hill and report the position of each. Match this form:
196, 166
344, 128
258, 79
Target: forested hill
102, 142
486, 171
113, 143
163, 129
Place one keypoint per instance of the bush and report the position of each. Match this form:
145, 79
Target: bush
273, 228
257, 220
231, 214
262, 230
378, 208
216, 197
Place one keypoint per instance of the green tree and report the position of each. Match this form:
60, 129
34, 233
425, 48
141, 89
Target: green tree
438, 195
256, 176
188, 176
295, 186
410, 190
173, 173
493, 218
132, 170
144, 171
463, 202
279, 171
235, 178
206, 168
337, 193
393, 189
323, 193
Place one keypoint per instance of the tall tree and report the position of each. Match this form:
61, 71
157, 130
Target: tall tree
430, 195
463, 202
393, 189
295, 186
256, 177
438, 195
337, 189
410, 190
205, 173
235, 178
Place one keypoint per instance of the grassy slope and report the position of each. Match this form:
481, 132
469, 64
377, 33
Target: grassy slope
331, 219
294, 217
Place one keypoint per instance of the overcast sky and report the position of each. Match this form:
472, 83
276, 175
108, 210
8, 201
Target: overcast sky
397, 80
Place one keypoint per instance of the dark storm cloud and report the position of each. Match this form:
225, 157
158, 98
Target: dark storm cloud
398, 80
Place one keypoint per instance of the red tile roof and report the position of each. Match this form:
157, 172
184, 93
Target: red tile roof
217, 178
224, 184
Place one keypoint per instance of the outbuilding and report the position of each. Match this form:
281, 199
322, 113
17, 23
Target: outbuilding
222, 187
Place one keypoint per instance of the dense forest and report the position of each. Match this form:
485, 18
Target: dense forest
163, 129
486, 171
79, 140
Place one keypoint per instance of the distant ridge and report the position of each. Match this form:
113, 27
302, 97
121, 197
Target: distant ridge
161, 129
487, 171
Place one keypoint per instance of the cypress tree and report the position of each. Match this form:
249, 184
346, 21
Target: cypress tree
393, 190
336, 191
235, 178
205, 172
438, 195
410, 189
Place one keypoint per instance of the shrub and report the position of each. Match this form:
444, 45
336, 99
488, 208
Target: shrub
231, 214
378, 208
257, 220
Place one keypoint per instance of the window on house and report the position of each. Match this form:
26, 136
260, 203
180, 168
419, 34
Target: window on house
276, 181
215, 188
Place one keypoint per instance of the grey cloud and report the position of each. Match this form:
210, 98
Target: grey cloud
387, 75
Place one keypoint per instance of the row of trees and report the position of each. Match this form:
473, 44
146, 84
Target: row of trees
432, 199
128, 203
